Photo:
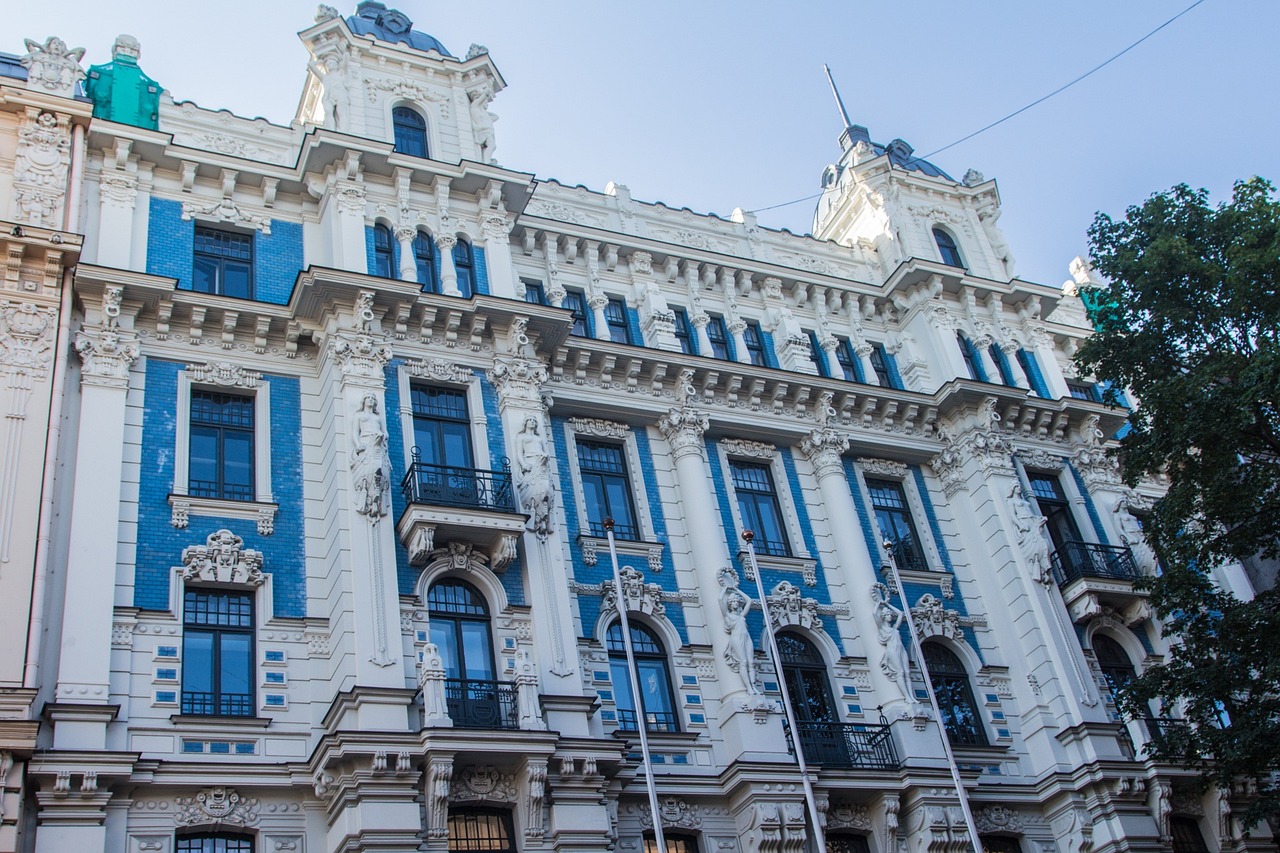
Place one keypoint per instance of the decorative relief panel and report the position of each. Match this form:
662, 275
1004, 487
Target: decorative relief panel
217, 806
223, 373
222, 559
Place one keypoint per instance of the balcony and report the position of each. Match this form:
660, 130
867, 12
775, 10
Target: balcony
1097, 579
847, 746
656, 722
444, 503
477, 704
907, 555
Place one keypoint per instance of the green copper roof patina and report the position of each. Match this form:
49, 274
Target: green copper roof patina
120, 91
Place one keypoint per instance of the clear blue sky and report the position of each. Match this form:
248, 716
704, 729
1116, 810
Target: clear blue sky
717, 105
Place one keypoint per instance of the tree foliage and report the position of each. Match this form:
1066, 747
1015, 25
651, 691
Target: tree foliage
1189, 323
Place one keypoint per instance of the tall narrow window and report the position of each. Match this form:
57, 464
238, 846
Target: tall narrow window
882, 362
684, 332
1116, 667
811, 701
479, 830
223, 262
1031, 368
719, 337
441, 426
754, 339
615, 317
955, 697
464, 265
410, 132
576, 304
1002, 365
850, 364
534, 292
947, 248
1000, 844
758, 507
1053, 505
817, 356
1186, 835
424, 259
217, 653
460, 629
651, 672
972, 359
896, 524
606, 488
214, 842
384, 254
221, 456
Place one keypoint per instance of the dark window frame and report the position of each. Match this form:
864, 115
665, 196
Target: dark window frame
446, 412
880, 364
850, 364
575, 302
208, 842
615, 319
954, 690
535, 289
424, 262
471, 816
384, 251
972, 358
753, 500
1002, 366
718, 335
456, 613
677, 842
464, 267
220, 429
651, 658
409, 132
818, 355
235, 619
1084, 391
948, 248
220, 251
684, 332
753, 340
1187, 837
889, 502
595, 469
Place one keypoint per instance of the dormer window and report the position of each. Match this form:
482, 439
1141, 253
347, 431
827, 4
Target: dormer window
947, 248
410, 132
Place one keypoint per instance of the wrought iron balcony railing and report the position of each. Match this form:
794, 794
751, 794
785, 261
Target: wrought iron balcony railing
907, 555
654, 721
1075, 560
217, 704
861, 746
474, 704
469, 488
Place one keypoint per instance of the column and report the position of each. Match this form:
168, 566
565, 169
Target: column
107, 352
699, 321
982, 344
349, 250
824, 448
1010, 350
408, 263
600, 326
495, 227
360, 355
863, 351
736, 327
448, 273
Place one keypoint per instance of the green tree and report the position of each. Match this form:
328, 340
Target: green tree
1189, 323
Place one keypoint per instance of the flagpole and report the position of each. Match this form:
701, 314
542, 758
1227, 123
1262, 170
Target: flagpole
892, 565
634, 677
810, 800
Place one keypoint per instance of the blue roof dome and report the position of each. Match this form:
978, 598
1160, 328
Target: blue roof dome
900, 153
373, 18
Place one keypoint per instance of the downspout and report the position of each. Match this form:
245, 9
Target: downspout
61, 353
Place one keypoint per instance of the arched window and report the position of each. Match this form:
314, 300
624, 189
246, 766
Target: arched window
460, 630
1186, 835
651, 672
805, 671
424, 258
465, 265
955, 697
947, 248
481, 830
214, 842
410, 132
1114, 662
384, 253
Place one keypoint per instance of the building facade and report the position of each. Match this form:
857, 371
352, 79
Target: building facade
313, 552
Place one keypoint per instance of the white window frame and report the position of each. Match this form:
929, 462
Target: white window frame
786, 505
263, 507
406, 379
915, 504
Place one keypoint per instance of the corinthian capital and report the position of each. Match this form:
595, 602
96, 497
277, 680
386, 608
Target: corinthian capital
107, 355
361, 358
824, 447
684, 428
519, 381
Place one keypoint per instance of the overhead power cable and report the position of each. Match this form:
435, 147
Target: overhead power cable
1020, 110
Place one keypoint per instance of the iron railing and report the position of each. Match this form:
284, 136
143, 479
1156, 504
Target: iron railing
907, 555
469, 488
654, 721
1074, 560
475, 704
217, 704
861, 746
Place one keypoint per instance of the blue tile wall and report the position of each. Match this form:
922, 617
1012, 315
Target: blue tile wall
923, 489
170, 241
820, 591
406, 574
277, 257
976, 359
368, 251
1002, 364
481, 270
770, 354
870, 533
589, 605
1089, 506
160, 544
755, 619
513, 577
824, 363
633, 326
1034, 376
891, 364
1139, 632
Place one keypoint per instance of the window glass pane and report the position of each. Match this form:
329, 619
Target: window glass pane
755, 344
237, 280
480, 831
476, 650
235, 673
203, 462
719, 337
534, 292
575, 303
617, 493
621, 684
205, 275
596, 505
444, 635
197, 661
238, 465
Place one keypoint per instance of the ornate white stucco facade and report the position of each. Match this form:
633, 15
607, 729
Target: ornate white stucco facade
715, 375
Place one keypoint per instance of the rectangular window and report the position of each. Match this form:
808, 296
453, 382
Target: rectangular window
850, 364
754, 340
215, 842
1002, 365
441, 427
607, 489
972, 358
816, 354
758, 506
893, 515
719, 337
223, 262
576, 304
615, 316
684, 332
1053, 505
221, 449
1084, 391
534, 292
217, 653
885, 366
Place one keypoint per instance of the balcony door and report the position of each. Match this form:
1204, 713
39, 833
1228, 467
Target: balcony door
811, 701
1053, 506
460, 630
445, 471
